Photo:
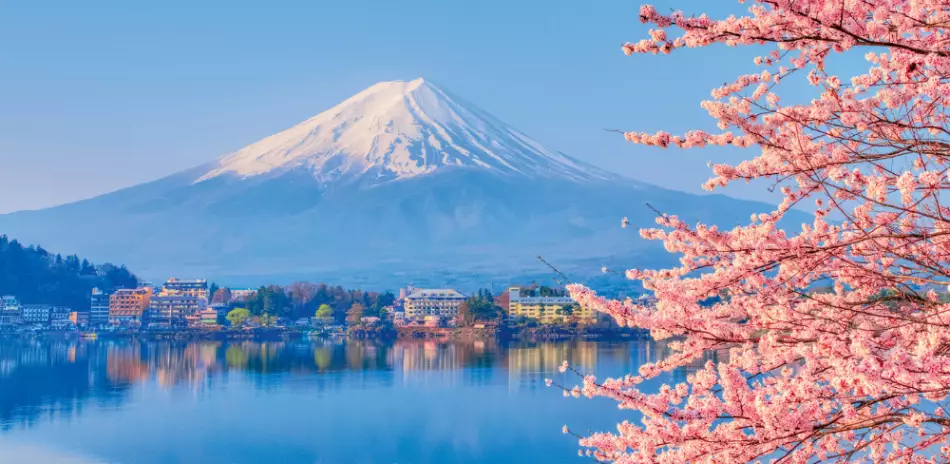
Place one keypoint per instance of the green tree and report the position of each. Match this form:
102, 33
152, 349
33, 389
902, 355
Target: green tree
267, 320
323, 358
566, 310
238, 316
482, 306
34, 275
87, 269
324, 311
386, 299
235, 357
269, 299
212, 289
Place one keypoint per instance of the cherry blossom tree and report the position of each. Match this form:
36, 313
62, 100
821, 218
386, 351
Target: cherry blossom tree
835, 337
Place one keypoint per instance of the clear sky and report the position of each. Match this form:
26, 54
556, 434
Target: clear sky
99, 95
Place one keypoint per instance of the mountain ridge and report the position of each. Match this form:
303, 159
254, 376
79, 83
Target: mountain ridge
276, 207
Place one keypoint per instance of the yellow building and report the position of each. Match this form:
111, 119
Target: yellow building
546, 309
127, 307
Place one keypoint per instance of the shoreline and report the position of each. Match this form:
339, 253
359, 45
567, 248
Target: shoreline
553, 333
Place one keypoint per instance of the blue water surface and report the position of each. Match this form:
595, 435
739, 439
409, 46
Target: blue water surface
132, 401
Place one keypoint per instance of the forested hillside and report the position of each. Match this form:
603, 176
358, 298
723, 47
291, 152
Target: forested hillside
35, 275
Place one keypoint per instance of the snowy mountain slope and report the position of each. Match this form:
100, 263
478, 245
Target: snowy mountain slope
401, 180
399, 130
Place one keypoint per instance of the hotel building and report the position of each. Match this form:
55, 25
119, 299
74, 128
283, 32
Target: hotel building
172, 310
433, 302
194, 288
98, 308
127, 307
545, 309
9, 311
35, 314
59, 317
178, 301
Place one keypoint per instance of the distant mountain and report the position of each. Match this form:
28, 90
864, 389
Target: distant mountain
401, 130
401, 182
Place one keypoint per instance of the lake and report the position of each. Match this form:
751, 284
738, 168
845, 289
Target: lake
130, 401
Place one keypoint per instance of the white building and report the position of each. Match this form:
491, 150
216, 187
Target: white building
172, 309
9, 311
35, 314
98, 308
241, 294
433, 302
59, 317
197, 288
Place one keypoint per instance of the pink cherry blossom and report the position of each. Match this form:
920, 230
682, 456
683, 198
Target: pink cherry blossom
831, 340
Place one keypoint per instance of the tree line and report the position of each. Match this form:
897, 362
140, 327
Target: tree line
480, 307
36, 276
306, 299
336, 304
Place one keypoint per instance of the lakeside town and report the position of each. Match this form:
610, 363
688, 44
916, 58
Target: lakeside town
194, 306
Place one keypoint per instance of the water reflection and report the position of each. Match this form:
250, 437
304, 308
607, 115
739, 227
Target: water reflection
37, 376
67, 391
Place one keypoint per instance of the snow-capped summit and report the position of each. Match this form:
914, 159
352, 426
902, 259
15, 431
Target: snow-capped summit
402, 182
396, 130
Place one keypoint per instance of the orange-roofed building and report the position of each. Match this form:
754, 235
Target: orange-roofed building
127, 306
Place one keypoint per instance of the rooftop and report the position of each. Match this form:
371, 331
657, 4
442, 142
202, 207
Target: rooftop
435, 292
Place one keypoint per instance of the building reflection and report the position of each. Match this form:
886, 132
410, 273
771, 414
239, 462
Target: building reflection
451, 362
39, 378
52, 378
124, 364
530, 365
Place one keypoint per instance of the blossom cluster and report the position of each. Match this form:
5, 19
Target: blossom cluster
835, 337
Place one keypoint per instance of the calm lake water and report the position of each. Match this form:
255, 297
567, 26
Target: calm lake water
127, 401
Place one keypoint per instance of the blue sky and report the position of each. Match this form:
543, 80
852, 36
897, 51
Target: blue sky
99, 95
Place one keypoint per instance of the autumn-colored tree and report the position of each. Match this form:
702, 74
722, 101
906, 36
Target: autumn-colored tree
858, 373
465, 316
221, 296
502, 301
355, 314
301, 293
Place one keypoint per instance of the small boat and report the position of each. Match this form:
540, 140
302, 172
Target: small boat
90, 335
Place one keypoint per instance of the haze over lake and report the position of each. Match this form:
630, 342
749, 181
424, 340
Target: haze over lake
129, 401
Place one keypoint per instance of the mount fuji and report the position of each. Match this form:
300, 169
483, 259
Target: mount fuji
401, 130
403, 181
